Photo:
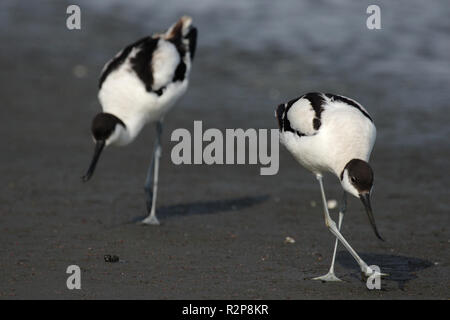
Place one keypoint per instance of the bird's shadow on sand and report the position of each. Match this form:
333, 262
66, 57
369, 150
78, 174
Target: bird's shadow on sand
205, 207
400, 269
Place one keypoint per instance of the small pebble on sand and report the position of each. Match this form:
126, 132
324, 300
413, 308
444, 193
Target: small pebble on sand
332, 203
111, 258
289, 240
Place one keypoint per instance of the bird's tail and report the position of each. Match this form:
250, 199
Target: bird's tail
183, 30
179, 28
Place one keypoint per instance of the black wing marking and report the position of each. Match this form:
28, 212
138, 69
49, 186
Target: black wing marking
316, 100
350, 102
283, 121
117, 61
192, 36
142, 62
177, 38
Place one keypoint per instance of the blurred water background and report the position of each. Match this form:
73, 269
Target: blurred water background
255, 54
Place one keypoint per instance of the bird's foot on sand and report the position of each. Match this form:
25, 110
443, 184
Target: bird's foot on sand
369, 272
329, 277
151, 220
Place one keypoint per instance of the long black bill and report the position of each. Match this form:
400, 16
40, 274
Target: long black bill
98, 150
365, 198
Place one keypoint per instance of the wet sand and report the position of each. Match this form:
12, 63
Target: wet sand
223, 227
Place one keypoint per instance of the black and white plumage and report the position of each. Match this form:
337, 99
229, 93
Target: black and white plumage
332, 133
140, 85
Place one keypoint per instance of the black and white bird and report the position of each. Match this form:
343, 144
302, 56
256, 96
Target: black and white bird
138, 86
332, 133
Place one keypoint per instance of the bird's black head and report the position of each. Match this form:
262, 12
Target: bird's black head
360, 175
357, 179
103, 127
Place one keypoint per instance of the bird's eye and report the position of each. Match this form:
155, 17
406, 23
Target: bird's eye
353, 179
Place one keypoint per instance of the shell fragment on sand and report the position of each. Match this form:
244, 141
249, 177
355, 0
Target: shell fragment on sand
289, 240
332, 203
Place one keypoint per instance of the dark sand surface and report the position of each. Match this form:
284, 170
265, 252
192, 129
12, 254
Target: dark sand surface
223, 227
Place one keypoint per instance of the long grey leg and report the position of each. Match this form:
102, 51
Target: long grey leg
153, 171
148, 182
334, 230
330, 276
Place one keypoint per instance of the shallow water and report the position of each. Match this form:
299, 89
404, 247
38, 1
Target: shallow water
265, 53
